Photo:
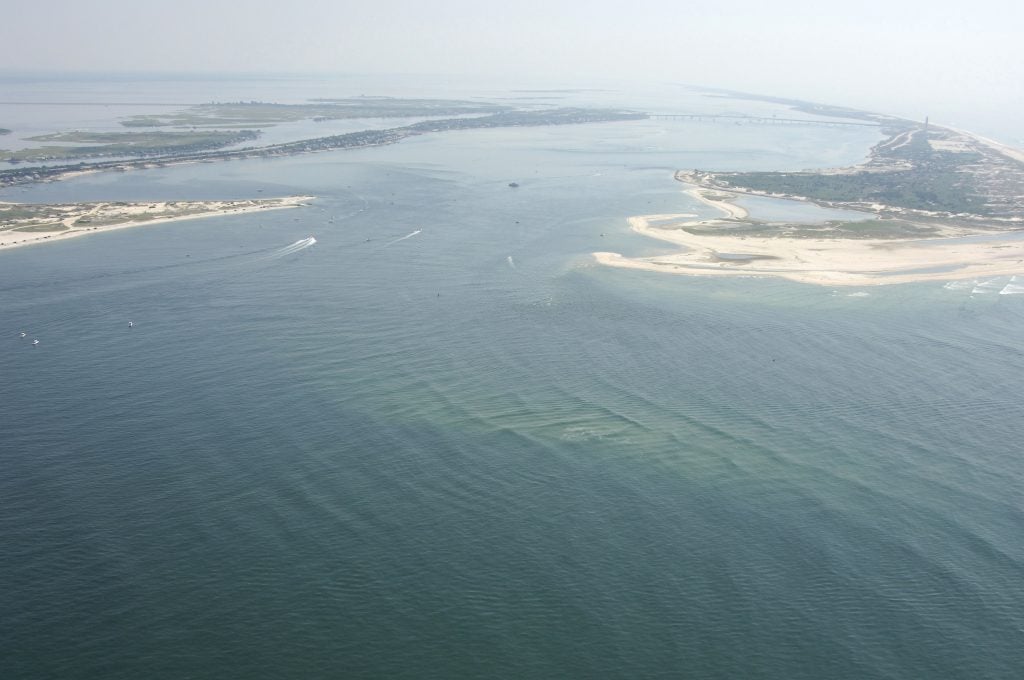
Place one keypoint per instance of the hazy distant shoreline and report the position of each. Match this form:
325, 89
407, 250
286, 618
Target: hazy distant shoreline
352, 140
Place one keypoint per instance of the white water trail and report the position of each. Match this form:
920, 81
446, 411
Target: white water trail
511, 263
391, 243
289, 249
986, 287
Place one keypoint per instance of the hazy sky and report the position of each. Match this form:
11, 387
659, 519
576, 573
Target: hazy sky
902, 56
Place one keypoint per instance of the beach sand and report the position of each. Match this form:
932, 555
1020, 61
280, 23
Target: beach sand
70, 221
822, 261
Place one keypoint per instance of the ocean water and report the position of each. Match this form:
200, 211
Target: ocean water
441, 442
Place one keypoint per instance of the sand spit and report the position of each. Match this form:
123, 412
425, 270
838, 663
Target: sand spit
28, 224
822, 261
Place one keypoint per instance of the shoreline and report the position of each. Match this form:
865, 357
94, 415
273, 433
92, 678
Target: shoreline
349, 140
820, 261
916, 244
10, 239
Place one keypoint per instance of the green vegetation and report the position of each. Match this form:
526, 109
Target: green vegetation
925, 168
351, 140
41, 221
938, 186
139, 139
153, 143
35, 228
906, 172
859, 229
10, 212
880, 229
239, 114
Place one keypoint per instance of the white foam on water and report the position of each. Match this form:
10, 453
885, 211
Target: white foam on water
390, 243
859, 294
1012, 289
986, 287
511, 263
298, 245
960, 285
289, 249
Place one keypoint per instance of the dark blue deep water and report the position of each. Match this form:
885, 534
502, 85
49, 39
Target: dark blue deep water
474, 453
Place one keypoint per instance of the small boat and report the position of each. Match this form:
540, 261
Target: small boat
131, 324
35, 342
23, 334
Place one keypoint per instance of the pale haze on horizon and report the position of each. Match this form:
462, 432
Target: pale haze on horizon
908, 57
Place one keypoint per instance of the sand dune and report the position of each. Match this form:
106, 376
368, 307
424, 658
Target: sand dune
23, 224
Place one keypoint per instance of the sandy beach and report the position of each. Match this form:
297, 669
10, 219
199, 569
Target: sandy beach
822, 261
37, 224
998, 147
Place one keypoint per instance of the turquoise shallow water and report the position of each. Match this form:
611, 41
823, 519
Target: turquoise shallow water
473, 453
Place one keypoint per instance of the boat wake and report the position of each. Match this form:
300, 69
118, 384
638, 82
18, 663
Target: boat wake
293, 248
391, 243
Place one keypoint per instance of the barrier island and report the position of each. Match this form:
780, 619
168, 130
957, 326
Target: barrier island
938, 204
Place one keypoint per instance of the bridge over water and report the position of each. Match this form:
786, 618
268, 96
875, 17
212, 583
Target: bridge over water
762, 120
